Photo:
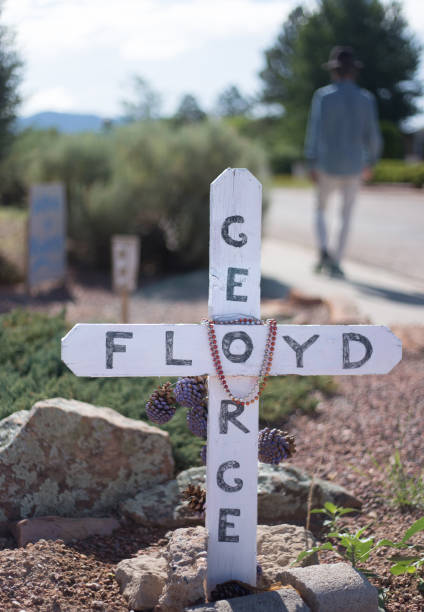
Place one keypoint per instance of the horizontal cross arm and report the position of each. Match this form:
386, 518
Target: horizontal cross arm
99, 350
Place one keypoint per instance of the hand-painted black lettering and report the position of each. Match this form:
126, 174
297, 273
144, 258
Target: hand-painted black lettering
228, 465
347, 363
225, 415
111, 347
299, 349
170, 351
224, 231
223, 524
229, 338
231, 283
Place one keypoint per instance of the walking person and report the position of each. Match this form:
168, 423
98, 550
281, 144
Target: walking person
343, 142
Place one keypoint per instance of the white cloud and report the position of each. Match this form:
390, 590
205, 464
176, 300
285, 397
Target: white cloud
93, 46
141, 29
54, 98
80, 53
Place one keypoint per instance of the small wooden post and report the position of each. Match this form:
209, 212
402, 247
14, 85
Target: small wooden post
125, 262
124, 306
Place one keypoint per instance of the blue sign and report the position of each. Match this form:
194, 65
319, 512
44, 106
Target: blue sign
46, 235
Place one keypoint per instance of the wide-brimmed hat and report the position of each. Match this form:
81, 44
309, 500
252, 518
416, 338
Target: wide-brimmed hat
342, 57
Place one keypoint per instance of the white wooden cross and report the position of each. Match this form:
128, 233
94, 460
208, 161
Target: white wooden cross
183, 350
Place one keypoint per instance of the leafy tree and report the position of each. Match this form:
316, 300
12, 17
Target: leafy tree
10, 75
146, 104
231, 103
189, 111
380, 37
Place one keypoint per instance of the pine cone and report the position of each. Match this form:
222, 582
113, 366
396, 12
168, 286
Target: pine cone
161, 406
230, 589
191, 391
197, 421
274, 445
196, 498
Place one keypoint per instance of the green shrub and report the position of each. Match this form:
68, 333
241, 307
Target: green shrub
398, 171
148, 178
276, 136
393, 140
31, 370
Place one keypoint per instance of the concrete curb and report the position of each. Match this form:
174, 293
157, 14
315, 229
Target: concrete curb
284, 600
335, 587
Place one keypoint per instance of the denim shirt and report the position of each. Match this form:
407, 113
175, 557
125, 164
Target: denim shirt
342, 136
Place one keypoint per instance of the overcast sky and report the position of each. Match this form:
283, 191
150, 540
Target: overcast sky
80, 54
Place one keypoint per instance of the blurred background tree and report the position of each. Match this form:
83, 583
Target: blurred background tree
146, 103
189, 111
10, 77
231, 103
381, 39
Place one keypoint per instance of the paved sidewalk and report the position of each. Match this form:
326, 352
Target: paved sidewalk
387, 226
382, 296
384, 261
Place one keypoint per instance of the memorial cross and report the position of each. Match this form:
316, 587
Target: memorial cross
183, 350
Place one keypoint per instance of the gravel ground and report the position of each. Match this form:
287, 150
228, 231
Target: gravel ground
351, 440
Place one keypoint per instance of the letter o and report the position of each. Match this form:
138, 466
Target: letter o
229, 338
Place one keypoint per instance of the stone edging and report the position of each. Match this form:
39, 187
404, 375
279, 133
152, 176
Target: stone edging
335, 587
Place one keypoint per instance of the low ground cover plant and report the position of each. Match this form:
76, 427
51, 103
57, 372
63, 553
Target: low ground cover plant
31, 369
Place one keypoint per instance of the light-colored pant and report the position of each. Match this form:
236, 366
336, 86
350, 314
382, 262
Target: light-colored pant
327, 184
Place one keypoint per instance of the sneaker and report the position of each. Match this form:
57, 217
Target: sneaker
336, 271
324, 264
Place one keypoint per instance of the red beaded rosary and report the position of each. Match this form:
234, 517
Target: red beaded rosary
261, 380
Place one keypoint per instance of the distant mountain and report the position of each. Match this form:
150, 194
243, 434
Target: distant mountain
63, 122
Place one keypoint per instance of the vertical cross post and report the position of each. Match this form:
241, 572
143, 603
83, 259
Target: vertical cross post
232, 454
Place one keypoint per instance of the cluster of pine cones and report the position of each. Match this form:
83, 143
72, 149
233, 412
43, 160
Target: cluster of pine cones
190, 392
274, 445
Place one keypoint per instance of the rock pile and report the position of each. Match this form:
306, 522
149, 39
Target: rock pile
178, 579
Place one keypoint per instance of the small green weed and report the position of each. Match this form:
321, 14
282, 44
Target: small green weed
357, 549
402, 490
333, 514
406, 492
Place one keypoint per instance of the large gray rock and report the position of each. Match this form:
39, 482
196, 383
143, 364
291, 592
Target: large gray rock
69, 458
283, 493
282, 496
162, 504
180, 579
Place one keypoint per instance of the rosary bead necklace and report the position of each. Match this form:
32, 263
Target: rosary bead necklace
261, 379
